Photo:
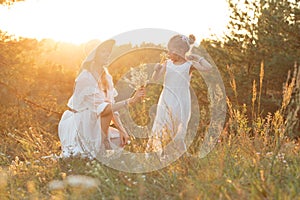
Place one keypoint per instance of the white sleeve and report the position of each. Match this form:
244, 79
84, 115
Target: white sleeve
87, 93
97, 102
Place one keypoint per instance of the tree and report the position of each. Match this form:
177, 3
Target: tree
263, 30
242, 40
278, 38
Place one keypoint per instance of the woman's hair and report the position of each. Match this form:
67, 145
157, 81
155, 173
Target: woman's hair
87, 63
102, 81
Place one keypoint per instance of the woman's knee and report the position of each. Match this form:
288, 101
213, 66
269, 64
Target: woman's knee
107, 111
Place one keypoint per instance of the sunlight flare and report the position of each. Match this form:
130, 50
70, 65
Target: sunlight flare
80, 21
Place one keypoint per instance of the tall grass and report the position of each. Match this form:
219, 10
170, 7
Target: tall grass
254, 159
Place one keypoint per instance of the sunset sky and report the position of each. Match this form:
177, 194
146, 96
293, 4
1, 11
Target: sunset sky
79, 21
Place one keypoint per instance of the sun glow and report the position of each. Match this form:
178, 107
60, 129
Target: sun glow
79, 21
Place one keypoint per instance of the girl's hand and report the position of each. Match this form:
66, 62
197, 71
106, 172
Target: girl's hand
159, 70
199, 62
193, 57
158, 67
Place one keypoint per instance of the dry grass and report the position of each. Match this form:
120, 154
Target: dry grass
254, 159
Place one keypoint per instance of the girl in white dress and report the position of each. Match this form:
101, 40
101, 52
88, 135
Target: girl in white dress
84, 129
174, 105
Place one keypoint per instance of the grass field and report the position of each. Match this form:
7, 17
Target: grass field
253, 159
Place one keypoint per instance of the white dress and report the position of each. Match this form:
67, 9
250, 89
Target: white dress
79, 129
174, 104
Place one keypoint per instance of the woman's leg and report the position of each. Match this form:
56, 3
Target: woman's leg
106, 117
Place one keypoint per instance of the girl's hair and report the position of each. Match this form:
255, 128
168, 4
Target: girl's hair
192, 39
180, 44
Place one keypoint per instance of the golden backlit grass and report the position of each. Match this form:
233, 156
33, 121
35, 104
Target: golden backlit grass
253, 159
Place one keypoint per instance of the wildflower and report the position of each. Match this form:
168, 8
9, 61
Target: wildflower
56, 185
109, 153
3, 179
63, 175
163, 57
81, 181
229, 181
138, 77
269, 153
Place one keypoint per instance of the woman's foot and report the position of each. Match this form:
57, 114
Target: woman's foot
106, 143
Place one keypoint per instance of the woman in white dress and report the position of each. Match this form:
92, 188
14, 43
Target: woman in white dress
84, 130
174, 105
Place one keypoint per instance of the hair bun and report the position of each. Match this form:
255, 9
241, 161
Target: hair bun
192, 39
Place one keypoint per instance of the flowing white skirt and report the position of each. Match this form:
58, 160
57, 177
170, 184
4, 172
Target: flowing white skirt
80, 135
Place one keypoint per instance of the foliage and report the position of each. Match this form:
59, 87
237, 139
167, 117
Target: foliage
257, 154
260, 31
9, 2
241, 166
254, 158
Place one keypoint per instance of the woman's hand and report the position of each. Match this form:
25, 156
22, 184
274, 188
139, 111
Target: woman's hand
124, 138
141, 92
